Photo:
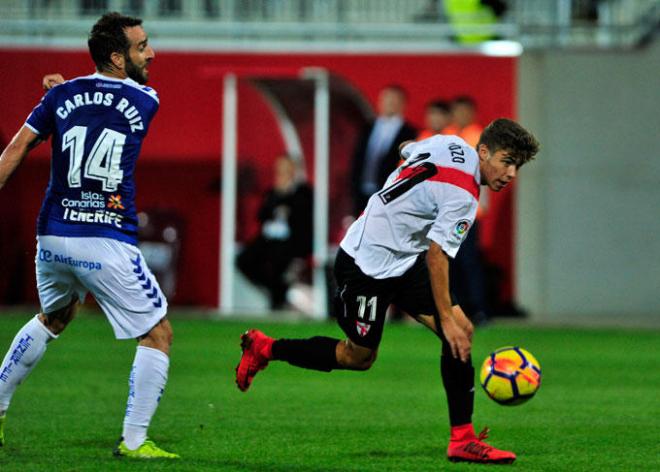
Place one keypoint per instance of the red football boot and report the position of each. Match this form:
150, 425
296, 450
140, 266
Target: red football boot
257, 351
464, 446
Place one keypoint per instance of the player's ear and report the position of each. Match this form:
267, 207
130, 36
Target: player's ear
483, 151
118, 60
405, 149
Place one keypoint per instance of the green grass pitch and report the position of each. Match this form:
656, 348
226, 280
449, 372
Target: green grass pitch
598, 408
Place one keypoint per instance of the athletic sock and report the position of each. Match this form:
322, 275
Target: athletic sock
462, 432
317, 353
24, 353
145, 387
458, 380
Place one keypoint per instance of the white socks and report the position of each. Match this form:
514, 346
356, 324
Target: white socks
25, 351
145, 386
146, 382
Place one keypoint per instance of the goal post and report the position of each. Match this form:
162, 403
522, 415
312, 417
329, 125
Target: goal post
319, 77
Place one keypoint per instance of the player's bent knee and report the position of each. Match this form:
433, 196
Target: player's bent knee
363, 364
353, 357
57, 320
159, 337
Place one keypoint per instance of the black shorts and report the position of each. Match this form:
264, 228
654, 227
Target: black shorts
361, 301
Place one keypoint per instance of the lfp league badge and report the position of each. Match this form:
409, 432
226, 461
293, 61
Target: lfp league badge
461, 228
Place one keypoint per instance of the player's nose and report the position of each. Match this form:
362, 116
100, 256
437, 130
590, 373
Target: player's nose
511, 172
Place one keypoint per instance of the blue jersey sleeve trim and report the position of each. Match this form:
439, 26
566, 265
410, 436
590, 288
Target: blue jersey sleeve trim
146, 90
32, 128
40, 120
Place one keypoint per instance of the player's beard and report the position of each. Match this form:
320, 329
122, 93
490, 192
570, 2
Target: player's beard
136, 73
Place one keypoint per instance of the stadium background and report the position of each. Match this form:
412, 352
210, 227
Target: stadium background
581, 219
180, 163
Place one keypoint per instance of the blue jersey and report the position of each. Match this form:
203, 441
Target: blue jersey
97, 125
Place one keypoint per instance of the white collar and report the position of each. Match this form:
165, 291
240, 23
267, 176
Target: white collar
127, 80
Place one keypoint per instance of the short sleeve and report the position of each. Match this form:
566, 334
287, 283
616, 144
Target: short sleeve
152, 105
455, 218
154, 110
42, 119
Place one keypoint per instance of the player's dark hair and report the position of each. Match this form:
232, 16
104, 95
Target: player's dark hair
438, 104
108, 36
505, 134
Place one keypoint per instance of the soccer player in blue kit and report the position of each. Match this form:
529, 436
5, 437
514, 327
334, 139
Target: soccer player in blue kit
87, 227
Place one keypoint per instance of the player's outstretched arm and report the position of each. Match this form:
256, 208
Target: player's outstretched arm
51, 80
438, 264
15, 152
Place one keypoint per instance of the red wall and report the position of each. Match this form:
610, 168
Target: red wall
179, 167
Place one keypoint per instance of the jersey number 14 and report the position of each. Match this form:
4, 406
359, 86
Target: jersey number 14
103, 161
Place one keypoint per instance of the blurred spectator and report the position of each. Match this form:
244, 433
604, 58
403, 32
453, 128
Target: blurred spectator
464, 125
467, 276
160, 232
285, 234
467, 270
437, 116
466, 14
377, 151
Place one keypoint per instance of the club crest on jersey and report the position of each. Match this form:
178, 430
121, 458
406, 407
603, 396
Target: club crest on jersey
114, 202
362, 328
461, 228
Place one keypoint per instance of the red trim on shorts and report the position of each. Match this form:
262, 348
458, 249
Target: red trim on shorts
452, 176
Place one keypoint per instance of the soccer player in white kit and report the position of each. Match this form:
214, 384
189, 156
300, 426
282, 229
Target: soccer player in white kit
87, 227
397, 252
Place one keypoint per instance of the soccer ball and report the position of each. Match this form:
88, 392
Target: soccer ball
510, 375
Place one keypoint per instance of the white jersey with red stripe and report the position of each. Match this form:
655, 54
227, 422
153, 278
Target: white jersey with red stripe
432, 196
